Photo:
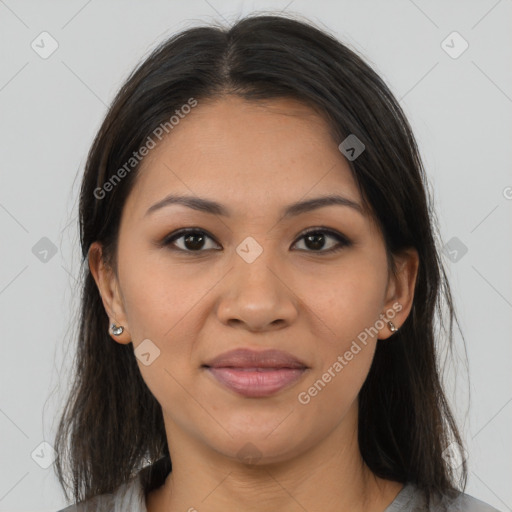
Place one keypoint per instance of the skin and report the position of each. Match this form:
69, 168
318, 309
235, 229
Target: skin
255, 159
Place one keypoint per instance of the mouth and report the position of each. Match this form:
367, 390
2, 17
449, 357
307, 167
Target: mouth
255, 373
256, 382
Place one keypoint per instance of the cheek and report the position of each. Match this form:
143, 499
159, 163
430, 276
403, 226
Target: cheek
347, 298
346, 303
166, 303
158, 295
161, 304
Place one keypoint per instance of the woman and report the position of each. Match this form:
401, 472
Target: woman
261, 284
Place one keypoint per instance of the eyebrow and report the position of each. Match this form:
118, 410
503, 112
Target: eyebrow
215, 208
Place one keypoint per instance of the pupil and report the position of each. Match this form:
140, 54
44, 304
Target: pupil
192, 246
317, 239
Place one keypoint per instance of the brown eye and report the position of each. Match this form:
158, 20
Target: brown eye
317, 239
194, 240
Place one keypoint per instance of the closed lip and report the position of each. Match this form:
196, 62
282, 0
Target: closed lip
248, 358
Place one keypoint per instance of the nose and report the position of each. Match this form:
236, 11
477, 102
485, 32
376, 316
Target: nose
257, 296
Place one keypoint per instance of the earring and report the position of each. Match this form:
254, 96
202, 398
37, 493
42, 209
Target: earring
116, 329
391, 326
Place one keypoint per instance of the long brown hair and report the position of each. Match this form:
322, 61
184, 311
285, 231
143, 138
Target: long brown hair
112, 424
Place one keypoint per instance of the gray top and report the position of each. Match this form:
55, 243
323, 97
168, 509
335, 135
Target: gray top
410, 499
129, 497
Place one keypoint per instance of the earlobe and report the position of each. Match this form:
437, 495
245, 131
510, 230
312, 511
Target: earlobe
400, 301
107, 285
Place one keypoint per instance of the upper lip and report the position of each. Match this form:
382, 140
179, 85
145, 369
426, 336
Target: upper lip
247, 358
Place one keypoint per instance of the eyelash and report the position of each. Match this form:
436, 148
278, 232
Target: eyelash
342, 240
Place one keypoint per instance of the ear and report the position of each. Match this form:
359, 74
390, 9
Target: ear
108, 286
400, 291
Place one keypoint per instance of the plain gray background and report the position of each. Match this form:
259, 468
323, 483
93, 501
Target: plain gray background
459, 106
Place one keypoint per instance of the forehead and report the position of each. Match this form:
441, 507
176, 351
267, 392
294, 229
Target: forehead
250, 155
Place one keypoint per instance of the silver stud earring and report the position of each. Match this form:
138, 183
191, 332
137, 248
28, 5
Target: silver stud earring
391, 326
116, 329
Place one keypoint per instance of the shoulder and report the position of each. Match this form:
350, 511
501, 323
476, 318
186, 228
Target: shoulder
128, 497
466, 503
411, 499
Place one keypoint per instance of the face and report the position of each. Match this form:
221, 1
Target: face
249, 276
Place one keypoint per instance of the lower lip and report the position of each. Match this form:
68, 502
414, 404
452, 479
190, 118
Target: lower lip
257, 383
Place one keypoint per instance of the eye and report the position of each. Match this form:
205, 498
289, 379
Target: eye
316, 239
193, 240
196, 240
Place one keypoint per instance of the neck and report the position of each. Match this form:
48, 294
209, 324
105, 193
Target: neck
329, 476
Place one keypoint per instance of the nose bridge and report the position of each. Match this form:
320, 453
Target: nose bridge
255, 292
254, 268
